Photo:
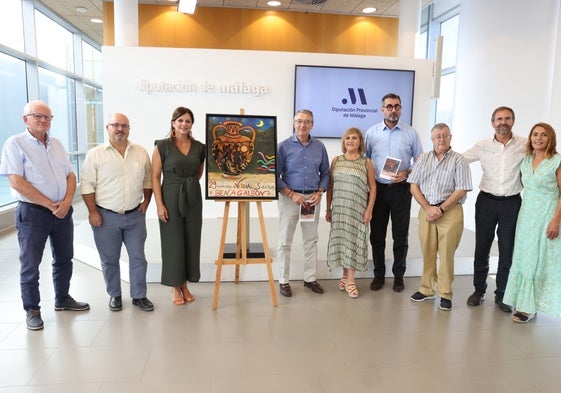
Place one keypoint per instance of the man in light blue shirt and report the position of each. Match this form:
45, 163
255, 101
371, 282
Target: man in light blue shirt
391, 142
43, 181
303, 176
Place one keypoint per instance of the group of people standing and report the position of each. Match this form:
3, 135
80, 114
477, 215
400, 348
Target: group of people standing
121, 172
118, 179
117, 182
527, 227
361, 200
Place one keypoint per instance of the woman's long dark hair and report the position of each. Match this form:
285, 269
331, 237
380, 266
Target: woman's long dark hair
177, 113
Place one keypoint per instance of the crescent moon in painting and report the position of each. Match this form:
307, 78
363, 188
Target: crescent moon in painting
260, 123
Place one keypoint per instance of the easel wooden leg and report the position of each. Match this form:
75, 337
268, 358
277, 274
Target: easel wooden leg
241, 238
268, 260
220, 260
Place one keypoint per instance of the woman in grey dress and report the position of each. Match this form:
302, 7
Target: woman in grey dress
350, 200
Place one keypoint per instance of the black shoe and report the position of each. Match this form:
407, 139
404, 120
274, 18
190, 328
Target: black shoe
33, 320
314, 286
398, 284
144, 304
69, 304
503, 307
475, 299
115, 303
377, 283
419, 297
445, 304
285, 290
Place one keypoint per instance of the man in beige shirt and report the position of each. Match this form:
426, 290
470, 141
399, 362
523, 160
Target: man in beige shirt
116, 185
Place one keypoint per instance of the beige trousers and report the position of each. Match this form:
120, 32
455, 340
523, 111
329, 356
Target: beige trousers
440, 238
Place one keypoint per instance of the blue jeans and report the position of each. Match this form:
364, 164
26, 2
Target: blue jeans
115, 230
34, 225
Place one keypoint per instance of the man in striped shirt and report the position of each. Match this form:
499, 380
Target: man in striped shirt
440, 180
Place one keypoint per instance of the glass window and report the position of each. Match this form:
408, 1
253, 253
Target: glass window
13, 96
421, 45
11, 24
58, 92
449, 30
445, 104
92, 62
51, 40
54, 42
94, 116
442, 19
441, 7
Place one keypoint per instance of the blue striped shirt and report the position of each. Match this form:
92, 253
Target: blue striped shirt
439, 179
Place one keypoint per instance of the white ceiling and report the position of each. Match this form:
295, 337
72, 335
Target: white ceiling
67, 9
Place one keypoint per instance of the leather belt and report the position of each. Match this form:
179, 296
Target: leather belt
499, 198
305, 192
391, 185
112, 211
35, 206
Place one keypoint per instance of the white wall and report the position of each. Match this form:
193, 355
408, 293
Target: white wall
149, 114
507, 55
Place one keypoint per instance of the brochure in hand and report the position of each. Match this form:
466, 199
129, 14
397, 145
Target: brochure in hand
307, 212
391, 167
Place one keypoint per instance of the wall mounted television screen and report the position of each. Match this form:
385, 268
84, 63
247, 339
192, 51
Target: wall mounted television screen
344, 97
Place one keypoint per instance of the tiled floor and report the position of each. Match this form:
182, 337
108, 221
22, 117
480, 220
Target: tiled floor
380, 342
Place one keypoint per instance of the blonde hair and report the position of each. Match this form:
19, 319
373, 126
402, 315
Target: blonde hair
353, 130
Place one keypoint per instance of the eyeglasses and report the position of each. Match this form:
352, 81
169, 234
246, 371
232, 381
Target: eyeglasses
306, 122
442, 137
39, 117
390, 108
117, 125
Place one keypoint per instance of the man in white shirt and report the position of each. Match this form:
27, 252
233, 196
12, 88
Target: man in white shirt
498, 202
116, 185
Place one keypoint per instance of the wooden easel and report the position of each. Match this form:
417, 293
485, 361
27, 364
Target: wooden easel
241, 257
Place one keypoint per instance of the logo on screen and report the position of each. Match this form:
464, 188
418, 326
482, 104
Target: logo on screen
353, 96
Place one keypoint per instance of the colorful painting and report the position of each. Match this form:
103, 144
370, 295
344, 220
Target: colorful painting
241, 151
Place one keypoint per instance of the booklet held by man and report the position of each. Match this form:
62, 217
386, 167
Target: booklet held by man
391, 167
307, 212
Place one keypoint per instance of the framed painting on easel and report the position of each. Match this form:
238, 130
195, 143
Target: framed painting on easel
241, 157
